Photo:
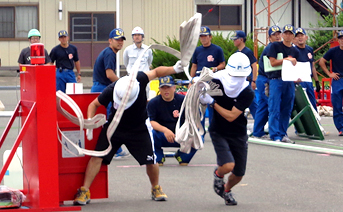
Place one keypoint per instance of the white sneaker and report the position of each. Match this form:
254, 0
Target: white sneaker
285, 139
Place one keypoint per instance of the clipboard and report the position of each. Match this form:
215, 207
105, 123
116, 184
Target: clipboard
268, 67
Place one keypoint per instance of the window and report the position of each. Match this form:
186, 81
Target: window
16, 21
91, 26
221, 17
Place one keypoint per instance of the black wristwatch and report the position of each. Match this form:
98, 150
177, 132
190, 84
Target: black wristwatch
212, 104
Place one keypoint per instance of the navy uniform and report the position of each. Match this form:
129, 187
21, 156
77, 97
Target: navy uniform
335, 54
167, 114
65, 58
281, 93
250, 54
261, 115
306, 55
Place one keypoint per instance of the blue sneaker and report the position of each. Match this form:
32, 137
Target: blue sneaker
122, 154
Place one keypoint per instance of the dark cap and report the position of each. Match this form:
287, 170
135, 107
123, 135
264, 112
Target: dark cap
238, 34
273, 29
289, 28
340, 34
167, 80
300, 30
62, 33
205, 30
117, 33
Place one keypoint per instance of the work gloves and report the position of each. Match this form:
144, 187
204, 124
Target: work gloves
178, 67
206, 99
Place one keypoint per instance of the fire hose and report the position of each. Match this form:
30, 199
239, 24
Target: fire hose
189, 35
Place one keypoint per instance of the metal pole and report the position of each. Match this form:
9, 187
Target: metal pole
117, 26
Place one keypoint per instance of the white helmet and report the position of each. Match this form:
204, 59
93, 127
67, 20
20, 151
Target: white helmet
238, 65
137, 30
120, 89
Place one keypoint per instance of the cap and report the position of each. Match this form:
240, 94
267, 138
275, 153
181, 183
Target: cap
238, 65
120, 90
273, 29
205, 30
288, 27
340, 34
117, 33
300, 30
62, 33
167, 80
238, 34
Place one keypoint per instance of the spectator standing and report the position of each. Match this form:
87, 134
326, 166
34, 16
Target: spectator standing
25, 54
239, 39
281, 93
104, 70
306, 55
261, 115
66, 57
335, 54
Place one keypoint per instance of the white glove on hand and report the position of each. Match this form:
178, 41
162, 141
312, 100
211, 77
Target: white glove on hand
178, 67
89, 134
206, 99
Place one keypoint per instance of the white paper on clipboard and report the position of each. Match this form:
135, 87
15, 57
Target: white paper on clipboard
301, 70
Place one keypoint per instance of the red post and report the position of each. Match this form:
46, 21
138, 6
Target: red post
40, 146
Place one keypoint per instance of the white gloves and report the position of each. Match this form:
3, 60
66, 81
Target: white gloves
178, 67
206, 99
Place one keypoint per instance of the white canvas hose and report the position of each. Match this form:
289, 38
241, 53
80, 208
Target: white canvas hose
187, 45
189, 134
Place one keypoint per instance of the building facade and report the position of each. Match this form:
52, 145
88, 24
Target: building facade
89, 22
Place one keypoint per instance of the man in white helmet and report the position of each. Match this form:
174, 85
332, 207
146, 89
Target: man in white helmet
25, 54
132, 131
132, 52
228, 127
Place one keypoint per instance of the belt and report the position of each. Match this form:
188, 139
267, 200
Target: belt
63, 69
275, 78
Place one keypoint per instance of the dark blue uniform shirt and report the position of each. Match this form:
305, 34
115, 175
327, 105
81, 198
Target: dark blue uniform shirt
306, 55
64, 57
106, 60
210, 56
336, 55
164, 112
279, 47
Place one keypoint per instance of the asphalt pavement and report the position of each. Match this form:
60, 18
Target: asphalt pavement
277, 178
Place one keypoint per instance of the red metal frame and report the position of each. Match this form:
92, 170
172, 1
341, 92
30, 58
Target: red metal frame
39, 139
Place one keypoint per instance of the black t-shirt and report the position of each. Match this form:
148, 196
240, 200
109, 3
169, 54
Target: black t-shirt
133, 119
25, 56
64, 57
165, 113
239, 126
279, 47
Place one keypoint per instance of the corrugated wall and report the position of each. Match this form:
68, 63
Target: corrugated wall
158, 18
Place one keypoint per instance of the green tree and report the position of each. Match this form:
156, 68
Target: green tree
319, 37
162, 58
